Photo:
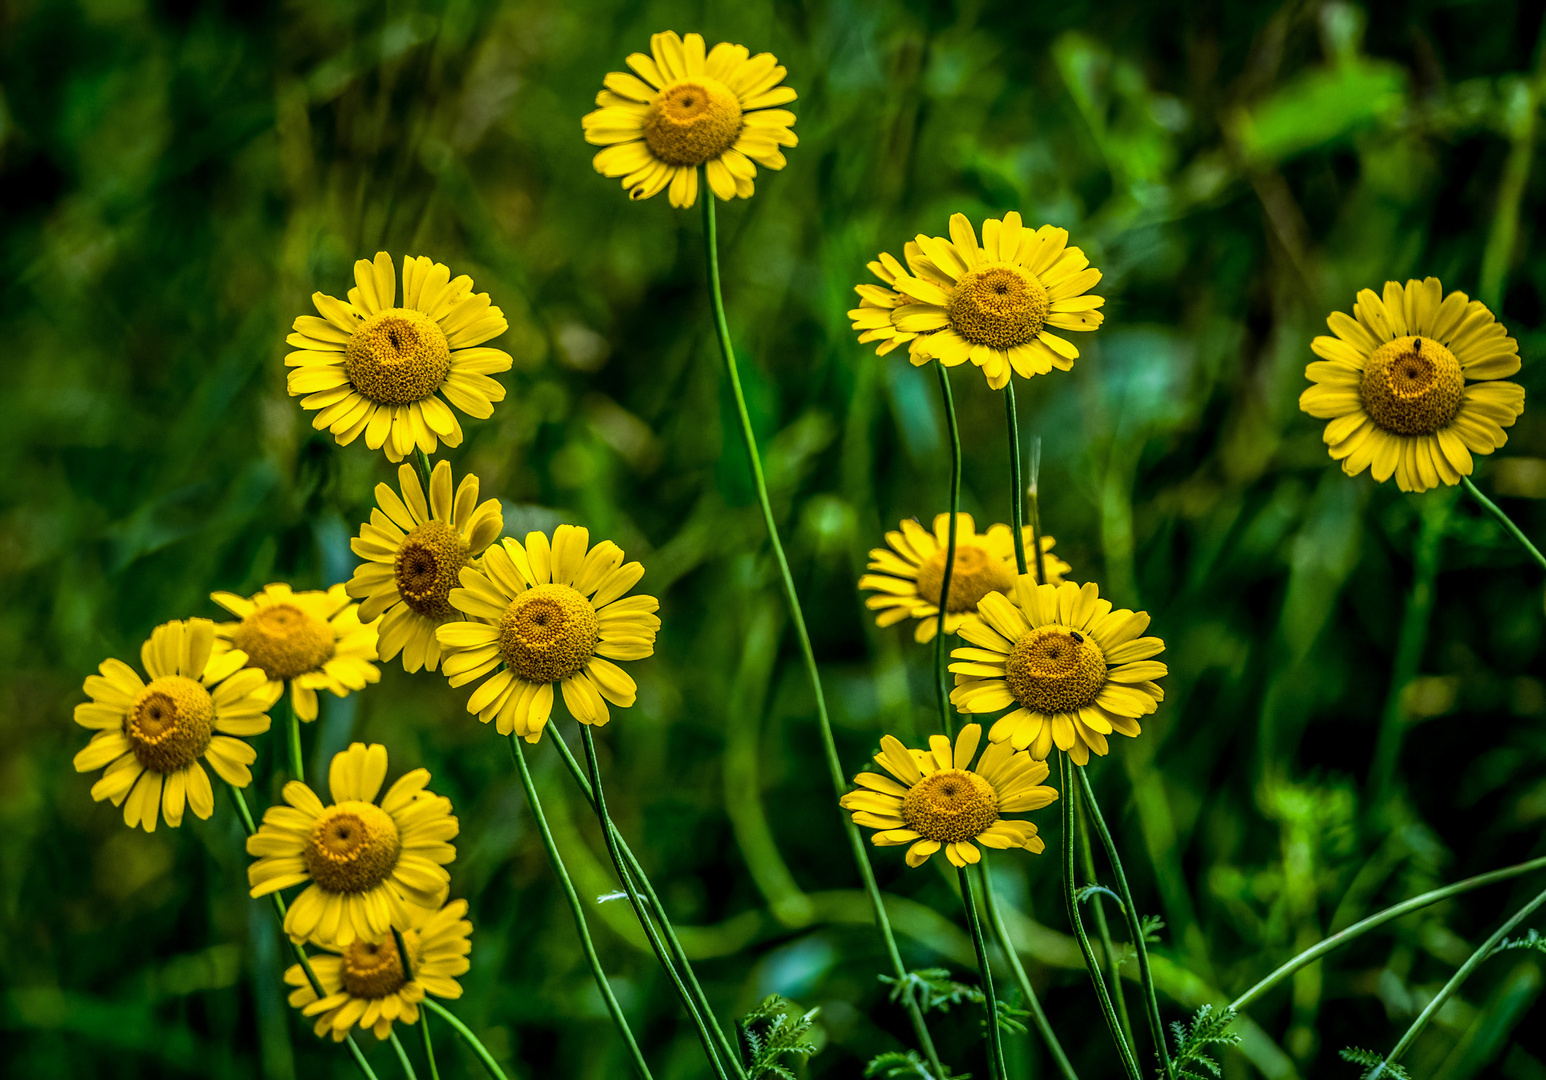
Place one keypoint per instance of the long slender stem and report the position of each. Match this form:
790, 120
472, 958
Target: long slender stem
429, 1045
641, 879
941, 675
293, 738
421, 459
402, 1056
1033, 502
1380, 918
990, 997
1103, 928
620, 864
359, 1058
577, 910
1017, 502
1072, 903
1038, 1014
1454, 983
1134, 928
797, 618
473, 1042
1508, 523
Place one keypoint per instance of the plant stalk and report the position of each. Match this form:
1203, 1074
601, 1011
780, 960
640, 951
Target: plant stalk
985, 971
297, 762
941, 675
1508, 522
473, 1042
1103, 928
421, 459
1033, 502
429, 1045
1017, 502
402, 1056
1038, 1014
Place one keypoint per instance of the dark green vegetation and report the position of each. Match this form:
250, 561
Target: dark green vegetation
1355, 711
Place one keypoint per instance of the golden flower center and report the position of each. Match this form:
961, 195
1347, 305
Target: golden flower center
692, 121
976, 573
548, 633
170, 723
375, 969
427, 567
1412, 386
1055, 669
284, 641
352, 848
397, 356
998, 305
950, 806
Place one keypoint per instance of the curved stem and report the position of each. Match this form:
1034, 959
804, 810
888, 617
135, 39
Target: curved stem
678, 954
990, 998
797, 617
1033, 501
1453, 985
1072, 903
473, 1042
576, 910
359, 1058
421, 459
941, 675
429, 1046
1134, 927
402, 1055
1380, 918
1508, 522
1038, 1014
620, 864
1017, 502
1103, 928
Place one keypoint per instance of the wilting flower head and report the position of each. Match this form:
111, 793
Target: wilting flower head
151, 735
373, 368
1407, 384
909, 577
685, 109
942, 801
366, 985
366, 862
313, 640
995, 304
1071, 669
550, 614
415, 549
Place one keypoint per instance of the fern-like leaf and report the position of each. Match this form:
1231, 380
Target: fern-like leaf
1207, 1029
933, 988
1532, 940
769, 1032
1373, 1064
894, 1065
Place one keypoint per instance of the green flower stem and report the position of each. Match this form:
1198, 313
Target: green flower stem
1453, 985
1017, 485
1134, 928
1103, 928
1072, 903
1038, 1014
797, 617
985, 971
1033, 501
280, 911
429, 1046
1380, 918
472, 1041
941, 675
421, 459
641, 879
1508, 523
292, 722
402, 1056
710, 1049
577, 910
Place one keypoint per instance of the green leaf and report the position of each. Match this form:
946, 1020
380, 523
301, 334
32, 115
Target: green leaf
769, 1032
1372, 1063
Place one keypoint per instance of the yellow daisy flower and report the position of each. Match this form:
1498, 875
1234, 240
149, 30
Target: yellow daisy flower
366, 863
150, 736
942, 801
375, 369
415, 548
873, 317
996, 304
315, 640
550, 614
908, 578
365, 984
684, 109
1407, 384
1074, 669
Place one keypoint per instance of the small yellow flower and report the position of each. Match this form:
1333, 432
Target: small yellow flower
995, 304
365, 984
684, 109
1407, 383
1073, 669
151, 735
877, 305
909, 577
550, 614
365, 863
415, 548
942, 801
313, 640
373, 368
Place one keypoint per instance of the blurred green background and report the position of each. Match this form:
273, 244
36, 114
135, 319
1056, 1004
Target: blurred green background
176, 178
